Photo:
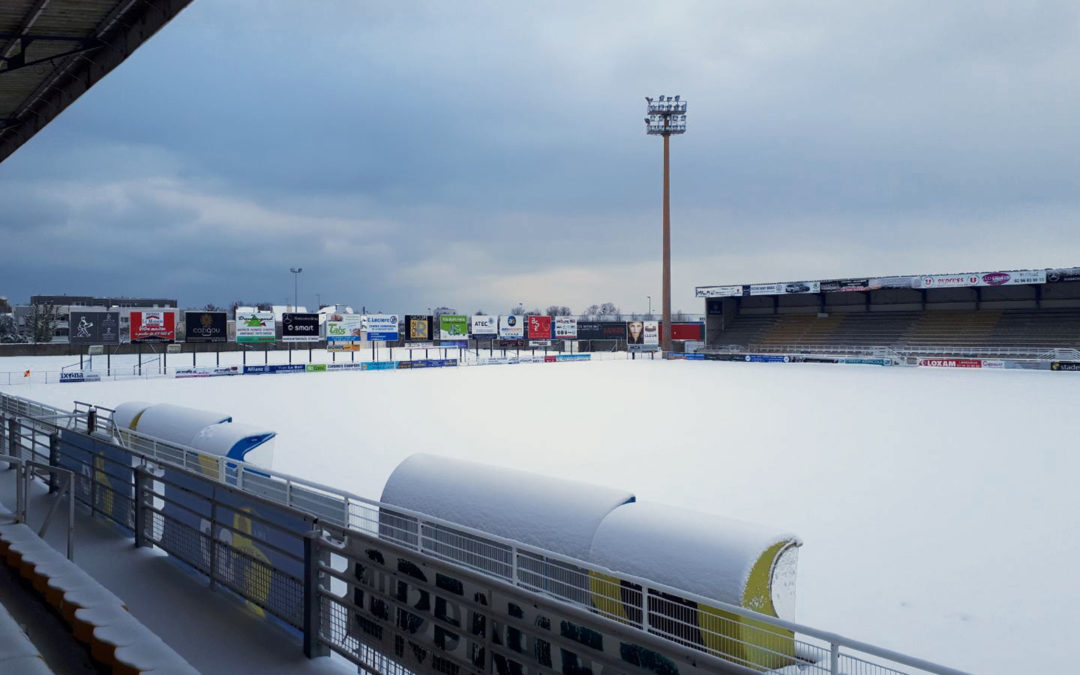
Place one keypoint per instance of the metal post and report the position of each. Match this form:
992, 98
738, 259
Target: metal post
13, 438
54, 460
142, 479
91, 420
213, 545
666, 345
21, 472
313, 647
834, 659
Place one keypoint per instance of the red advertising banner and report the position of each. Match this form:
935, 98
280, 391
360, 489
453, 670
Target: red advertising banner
539, 328
951, 363
156, 326
685, 331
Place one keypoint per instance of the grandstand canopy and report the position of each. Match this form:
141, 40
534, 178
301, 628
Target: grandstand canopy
51, 51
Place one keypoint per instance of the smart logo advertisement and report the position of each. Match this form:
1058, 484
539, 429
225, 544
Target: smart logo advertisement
252, 327
153, 326
300, 327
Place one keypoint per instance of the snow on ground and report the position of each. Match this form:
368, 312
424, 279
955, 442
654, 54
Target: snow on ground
937, 508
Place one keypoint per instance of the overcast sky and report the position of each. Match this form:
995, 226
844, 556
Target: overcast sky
479, 154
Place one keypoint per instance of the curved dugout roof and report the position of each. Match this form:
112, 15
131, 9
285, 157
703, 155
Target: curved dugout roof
51, 51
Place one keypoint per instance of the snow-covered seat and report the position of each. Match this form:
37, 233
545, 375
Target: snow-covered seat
17, 653
150, 655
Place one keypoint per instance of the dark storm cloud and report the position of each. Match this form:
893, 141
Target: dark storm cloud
480, 154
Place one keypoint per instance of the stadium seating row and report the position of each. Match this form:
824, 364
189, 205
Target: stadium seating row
985, 328
117, 641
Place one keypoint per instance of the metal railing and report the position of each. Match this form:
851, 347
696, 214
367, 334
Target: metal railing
197, 529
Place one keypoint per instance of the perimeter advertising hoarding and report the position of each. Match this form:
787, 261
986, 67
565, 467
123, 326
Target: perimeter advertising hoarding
344, 332
94, 328
1063, 274
299, 327
418, 328
206, 327
967, 280
382, 327
539, 328
565, 328
718, 291
153, 326
453, 327
601, 330
788, 288
512, 327
484, 326
255, 327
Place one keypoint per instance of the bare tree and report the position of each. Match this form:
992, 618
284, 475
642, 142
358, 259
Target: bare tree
608, 310
5, 306
44, 322
8, 331
558, 310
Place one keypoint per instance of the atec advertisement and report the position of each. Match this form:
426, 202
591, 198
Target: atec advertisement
153, 326
512, 327
254, 327
484, 326
539, 328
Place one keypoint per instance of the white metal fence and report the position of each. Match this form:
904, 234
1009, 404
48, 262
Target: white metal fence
727, 636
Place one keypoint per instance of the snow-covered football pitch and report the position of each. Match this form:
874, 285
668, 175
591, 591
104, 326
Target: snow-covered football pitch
939, 510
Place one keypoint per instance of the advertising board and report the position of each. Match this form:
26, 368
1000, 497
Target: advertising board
565, 328
718, 291
970, 279
512, 327
601, 330
344, 332
539, 327
80, 376
1062, 274
206, 327
252, 327
418, 328
453, 327
950, 363
1072, 366
93, 328
484, 326
299, 327
382, 327
208, 371
153, 326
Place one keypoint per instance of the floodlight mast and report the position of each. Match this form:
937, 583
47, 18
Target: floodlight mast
296, 287
666, 116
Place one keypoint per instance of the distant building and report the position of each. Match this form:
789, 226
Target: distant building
62, 304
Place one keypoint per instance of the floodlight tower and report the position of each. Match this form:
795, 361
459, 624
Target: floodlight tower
667, 116
296, 286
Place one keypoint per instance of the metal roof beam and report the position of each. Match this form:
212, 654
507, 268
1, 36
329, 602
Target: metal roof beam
120, 34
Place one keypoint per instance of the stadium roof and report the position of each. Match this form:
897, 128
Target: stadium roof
51, 51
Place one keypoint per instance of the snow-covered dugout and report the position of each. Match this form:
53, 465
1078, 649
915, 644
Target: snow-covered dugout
211, 432
731, 561
554, 514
